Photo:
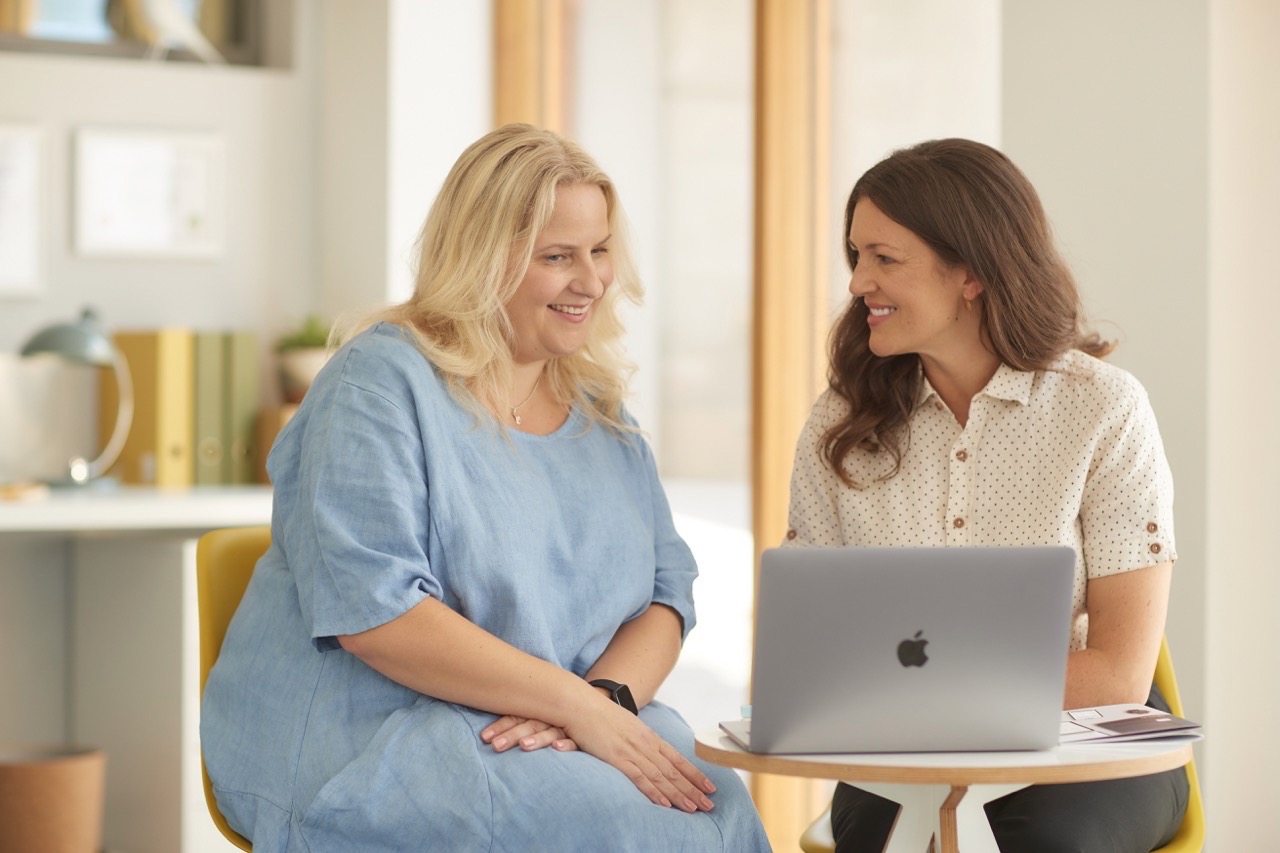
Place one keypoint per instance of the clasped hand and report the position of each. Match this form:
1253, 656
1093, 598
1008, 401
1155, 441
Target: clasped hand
619, 738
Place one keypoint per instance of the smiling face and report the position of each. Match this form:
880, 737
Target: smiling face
568, 272
916, 302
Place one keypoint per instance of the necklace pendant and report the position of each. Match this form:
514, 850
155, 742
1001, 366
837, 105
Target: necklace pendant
517, 417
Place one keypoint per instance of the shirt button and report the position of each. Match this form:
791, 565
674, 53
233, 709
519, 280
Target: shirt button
958, 523
1155, 547
1152, 527
791, 534
961, 455
938, 406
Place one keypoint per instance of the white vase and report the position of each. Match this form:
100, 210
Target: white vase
298, 368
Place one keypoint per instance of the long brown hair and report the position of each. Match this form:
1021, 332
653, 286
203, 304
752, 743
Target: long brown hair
974, 208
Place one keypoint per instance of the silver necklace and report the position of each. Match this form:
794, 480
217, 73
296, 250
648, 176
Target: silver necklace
516, 408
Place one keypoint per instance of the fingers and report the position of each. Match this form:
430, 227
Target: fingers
498, 733
668, 778
510, 731
664, 783
687, 770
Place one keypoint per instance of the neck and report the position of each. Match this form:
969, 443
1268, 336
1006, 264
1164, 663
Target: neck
958, 380
524, 377
526, 380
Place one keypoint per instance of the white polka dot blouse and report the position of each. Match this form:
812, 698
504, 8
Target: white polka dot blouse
1070, 455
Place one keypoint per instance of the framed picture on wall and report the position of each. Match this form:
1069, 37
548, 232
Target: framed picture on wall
149, 193
20, 220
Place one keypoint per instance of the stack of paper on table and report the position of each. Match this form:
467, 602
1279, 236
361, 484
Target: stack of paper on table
1112, 723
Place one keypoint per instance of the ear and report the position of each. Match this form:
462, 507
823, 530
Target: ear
971, 288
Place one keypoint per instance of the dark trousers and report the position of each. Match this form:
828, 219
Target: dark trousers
1117, 816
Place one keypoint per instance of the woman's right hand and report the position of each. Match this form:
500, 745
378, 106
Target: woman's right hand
621, 739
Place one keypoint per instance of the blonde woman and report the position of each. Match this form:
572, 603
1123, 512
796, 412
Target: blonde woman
474, 588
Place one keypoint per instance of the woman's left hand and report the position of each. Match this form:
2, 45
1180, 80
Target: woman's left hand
510, 731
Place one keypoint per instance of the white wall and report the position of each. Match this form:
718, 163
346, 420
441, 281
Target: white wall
1110, 123
904, 71
1243, 408
263, 117
402, 88
617, 117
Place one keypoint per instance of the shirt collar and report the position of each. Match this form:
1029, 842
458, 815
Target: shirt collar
1008, 383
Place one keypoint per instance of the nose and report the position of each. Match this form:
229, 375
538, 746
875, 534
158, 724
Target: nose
595, 278
859, 283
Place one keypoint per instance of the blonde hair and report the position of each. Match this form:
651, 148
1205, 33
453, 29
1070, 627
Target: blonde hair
473, 251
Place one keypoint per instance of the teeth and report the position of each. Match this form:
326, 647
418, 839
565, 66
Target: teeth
882, 312
570, 309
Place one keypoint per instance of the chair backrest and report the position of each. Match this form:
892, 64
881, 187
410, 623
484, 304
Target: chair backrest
224, 564
1190, 835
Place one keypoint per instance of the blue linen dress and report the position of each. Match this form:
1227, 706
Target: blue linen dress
387, 492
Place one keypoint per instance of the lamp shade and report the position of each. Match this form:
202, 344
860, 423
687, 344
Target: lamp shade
85, 342
82, 342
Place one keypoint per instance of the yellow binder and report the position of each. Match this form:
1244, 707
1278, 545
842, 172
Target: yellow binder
159, 449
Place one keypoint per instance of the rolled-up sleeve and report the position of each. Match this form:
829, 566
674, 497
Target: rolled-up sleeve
1126, 510
358, 544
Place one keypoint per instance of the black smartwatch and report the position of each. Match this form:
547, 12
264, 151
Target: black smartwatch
619, 693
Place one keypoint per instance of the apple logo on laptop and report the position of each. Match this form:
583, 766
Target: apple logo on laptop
911, 652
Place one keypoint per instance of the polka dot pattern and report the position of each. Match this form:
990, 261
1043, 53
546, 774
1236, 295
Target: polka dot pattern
1070, 455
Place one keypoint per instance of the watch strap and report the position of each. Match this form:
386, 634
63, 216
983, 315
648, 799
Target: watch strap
619, 693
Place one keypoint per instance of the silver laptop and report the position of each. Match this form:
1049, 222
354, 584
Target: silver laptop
909, 649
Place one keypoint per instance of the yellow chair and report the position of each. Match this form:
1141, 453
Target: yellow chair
1190, 837
224, 564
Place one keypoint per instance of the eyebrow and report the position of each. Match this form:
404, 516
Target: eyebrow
570, 246
872, 246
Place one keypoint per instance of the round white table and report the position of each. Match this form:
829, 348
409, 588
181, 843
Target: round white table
942, 793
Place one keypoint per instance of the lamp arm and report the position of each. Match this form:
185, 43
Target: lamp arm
124, 420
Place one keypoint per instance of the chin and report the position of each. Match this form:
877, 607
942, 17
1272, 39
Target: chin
881, 349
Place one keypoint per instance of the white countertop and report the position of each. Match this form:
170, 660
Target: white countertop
107, 509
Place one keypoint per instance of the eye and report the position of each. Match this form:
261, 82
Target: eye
554, 259
853, 258
600, 250
885, 259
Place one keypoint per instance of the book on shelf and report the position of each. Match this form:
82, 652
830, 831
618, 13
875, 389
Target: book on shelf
195, 407
159, 449
241, 396
270, 421
210, 420
226, 407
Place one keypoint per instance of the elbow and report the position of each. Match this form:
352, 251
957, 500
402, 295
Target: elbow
356, 644
1137, 691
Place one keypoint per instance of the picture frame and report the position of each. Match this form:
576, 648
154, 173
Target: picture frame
140, 194
21, 182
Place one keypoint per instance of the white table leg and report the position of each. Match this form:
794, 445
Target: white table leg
921, 816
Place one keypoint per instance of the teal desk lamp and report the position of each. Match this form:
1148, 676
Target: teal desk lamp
85, 342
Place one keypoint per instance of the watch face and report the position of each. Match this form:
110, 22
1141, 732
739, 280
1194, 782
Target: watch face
622, 695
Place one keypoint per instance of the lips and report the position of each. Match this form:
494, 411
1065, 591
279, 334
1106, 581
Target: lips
878, 314
574, 314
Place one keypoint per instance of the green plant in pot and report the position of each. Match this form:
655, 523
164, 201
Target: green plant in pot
302, 353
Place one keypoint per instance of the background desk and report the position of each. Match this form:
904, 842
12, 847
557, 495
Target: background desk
98, 644
933, 788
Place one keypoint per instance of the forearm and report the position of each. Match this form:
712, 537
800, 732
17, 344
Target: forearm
642, 653
1096, 678
438, 652
1126, 623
